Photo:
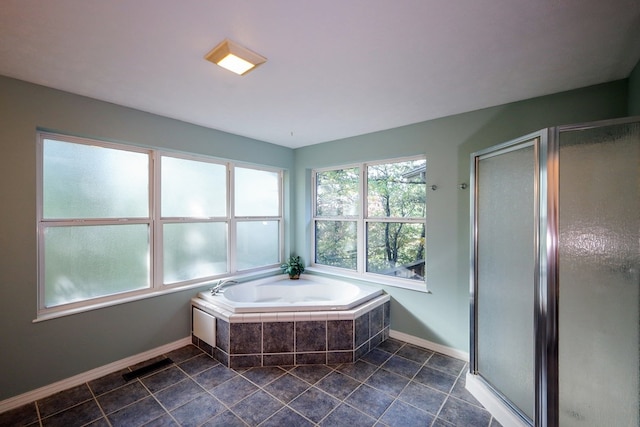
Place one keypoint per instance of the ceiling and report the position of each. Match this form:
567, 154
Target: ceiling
335, 69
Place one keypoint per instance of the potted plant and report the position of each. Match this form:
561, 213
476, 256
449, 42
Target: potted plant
293, 267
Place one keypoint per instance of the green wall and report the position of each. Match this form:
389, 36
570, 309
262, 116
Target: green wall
442, 317
36, 354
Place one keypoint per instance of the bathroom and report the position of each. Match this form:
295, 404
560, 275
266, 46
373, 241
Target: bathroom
47, 352
37, 354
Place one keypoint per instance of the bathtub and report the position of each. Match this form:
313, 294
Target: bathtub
280, 294
277, 321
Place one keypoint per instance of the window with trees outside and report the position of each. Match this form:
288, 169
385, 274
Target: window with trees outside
370, 219
117, 222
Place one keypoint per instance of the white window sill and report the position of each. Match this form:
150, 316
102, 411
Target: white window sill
374, 279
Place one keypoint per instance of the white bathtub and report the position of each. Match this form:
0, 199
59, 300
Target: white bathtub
280, 294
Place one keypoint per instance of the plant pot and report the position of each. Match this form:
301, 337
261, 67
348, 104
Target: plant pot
294, 277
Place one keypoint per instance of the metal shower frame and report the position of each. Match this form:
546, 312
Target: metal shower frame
546, 273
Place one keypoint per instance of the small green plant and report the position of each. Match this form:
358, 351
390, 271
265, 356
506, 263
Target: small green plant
293, 267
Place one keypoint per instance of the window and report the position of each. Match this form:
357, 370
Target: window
116, 222
193, 213
257, 212
370, 219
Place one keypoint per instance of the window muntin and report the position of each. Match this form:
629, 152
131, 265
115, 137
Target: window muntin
384, 236
116, 221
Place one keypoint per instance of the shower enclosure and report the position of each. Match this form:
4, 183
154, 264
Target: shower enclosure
555, 277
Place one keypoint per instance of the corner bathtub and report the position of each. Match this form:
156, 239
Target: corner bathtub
280, 294
277, 321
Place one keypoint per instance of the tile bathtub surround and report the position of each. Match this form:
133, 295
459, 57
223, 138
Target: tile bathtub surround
297, 338
396, 384
278, 337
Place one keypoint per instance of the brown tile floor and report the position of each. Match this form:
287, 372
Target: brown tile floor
396, 384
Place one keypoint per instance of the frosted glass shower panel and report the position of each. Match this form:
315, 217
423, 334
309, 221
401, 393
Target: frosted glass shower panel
505, 272
599, 259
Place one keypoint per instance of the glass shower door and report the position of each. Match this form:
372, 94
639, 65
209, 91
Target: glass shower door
599, 275
504, 264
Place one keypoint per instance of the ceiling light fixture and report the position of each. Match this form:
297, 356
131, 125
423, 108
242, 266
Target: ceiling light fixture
234, 57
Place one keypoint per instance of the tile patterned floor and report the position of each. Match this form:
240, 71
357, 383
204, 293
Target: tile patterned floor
396, 384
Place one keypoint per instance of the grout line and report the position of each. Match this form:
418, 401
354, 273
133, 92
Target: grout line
104, 415
209, 392
423, 364
38, 413
330, 370
71, 406
154, 397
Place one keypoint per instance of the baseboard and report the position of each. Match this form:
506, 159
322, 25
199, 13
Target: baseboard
429, 345
30, 396
500, 411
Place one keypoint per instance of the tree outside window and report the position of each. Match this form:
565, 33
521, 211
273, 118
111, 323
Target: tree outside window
371, 218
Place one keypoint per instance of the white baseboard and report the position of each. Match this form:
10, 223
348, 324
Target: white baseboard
420, 342
30, 396
497, 408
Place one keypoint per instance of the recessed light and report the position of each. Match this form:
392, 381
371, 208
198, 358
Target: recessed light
234, 57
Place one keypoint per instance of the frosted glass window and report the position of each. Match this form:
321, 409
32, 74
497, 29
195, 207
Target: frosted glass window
194, 250
257, 244
336, 243
257, 192
192, 188
87, 262
338, 192
104, 235
87, 181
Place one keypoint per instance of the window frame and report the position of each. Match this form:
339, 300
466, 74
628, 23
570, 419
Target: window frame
362, 220
235, 219
155, 223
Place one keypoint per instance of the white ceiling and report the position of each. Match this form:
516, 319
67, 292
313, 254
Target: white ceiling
336, 68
